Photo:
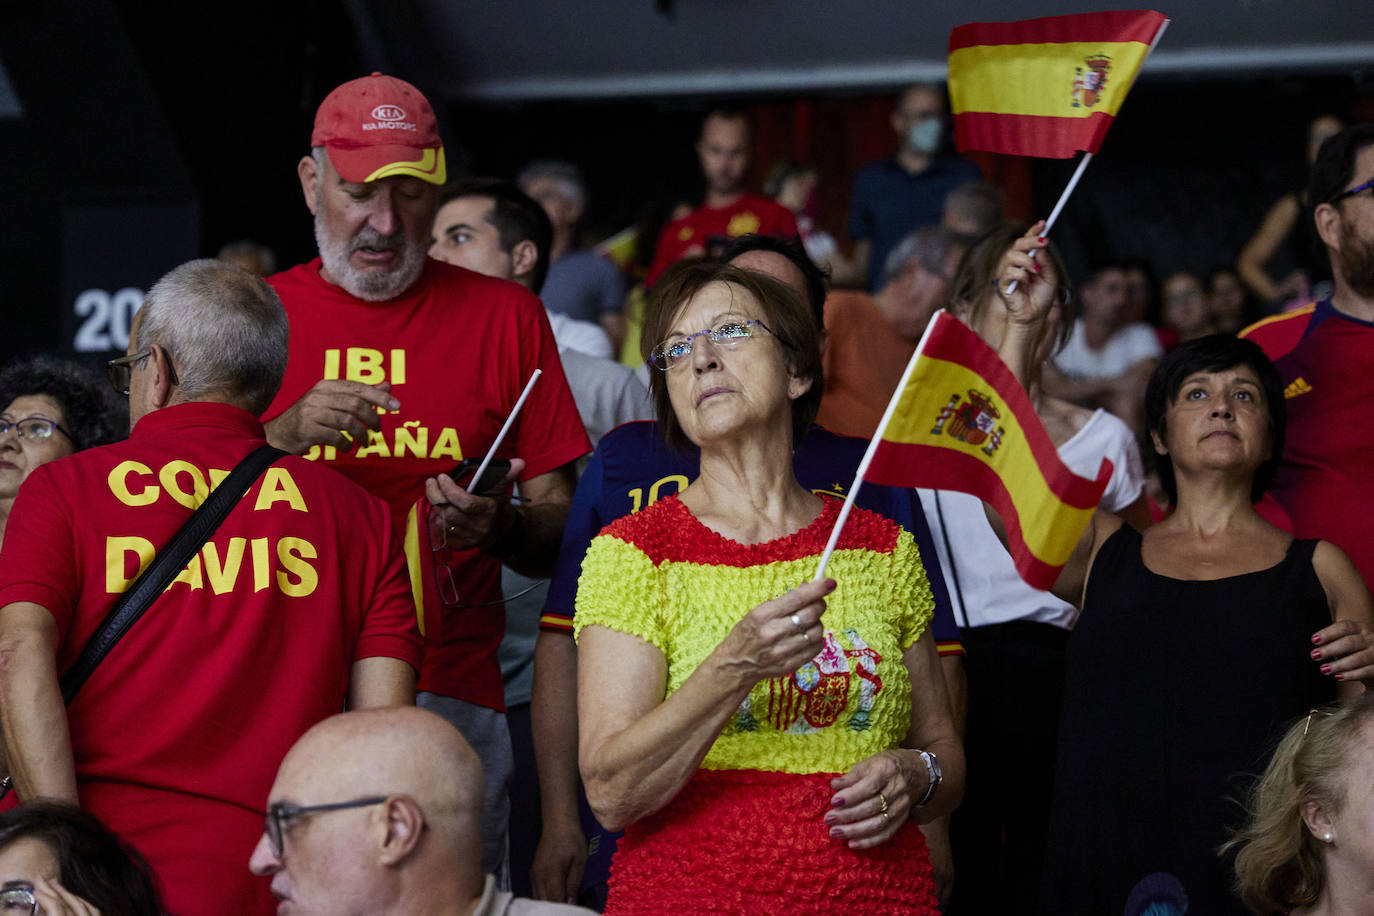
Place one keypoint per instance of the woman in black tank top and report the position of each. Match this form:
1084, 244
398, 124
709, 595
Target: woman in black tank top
1199, 641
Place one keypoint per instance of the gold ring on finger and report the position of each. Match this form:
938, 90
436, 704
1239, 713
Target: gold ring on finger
882, 802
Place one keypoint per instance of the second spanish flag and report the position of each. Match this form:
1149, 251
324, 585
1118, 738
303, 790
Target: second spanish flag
1045, 87
962, 422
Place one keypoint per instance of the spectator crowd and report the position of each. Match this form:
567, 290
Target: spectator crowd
467, 567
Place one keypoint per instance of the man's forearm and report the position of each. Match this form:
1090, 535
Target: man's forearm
380, 681
553, 713
538, 530
34, 720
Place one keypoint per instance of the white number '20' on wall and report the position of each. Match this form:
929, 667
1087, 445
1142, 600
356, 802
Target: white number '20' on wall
107, 319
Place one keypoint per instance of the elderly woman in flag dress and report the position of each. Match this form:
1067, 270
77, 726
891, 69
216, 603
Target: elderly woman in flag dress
1200, 639
768, 743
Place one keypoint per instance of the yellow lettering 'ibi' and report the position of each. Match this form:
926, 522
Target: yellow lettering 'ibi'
365, 366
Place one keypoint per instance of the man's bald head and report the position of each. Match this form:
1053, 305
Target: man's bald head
396, 749
422, 838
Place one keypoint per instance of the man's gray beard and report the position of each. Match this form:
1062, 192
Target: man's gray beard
367, 285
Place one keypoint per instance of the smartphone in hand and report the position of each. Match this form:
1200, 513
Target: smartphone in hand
491, 477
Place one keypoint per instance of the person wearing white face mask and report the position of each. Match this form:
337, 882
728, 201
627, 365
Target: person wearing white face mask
898, 195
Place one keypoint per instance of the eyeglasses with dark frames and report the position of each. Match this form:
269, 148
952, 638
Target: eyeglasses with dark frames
1367, 186
35, 429
277, 819
122, 368
673, 352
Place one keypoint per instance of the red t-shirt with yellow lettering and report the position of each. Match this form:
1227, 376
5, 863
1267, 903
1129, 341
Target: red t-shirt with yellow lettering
457, 348
706, 226
178, 733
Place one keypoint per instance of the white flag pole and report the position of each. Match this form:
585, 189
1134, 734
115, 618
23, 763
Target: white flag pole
1087, 157
872, 448
504, 429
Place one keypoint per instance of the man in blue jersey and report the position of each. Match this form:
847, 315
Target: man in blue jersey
633, 467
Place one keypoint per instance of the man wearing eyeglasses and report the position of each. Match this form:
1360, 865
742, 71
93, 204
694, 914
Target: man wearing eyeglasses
400, 368
1323, 487
379, 811
297, 604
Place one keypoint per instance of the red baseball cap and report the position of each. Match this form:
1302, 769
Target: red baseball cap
379, 127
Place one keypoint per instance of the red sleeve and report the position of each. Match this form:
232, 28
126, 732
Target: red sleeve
1277, 335
549, 432
787, 223
666, 253
39, 540
389, 628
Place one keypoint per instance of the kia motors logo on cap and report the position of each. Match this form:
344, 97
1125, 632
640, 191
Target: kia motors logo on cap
389, 113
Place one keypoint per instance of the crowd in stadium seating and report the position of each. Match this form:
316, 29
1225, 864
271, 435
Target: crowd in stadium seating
594, 672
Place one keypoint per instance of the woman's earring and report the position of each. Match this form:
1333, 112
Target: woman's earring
1328, 837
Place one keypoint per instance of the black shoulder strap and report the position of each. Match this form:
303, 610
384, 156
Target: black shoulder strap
170, 561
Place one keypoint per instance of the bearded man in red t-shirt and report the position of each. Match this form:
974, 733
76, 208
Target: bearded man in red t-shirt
400, 368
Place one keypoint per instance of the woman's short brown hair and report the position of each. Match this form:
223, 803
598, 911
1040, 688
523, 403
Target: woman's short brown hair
786, 315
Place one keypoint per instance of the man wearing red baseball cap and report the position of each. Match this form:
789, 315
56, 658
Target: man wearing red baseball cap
400, 367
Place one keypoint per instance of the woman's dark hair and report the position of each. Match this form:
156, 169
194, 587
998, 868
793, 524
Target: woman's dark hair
93, 863
971, 289
1215, 353
786, 315
86, 400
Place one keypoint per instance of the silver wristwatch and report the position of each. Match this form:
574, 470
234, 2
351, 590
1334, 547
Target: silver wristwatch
933, 775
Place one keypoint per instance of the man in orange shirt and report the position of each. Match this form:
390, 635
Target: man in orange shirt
871, 338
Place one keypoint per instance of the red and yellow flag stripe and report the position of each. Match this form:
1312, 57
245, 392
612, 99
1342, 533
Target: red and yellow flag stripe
941, 435
1045, 87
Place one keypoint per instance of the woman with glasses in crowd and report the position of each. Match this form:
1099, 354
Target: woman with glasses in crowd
766, 741
52, 409
1307, 847
57, 860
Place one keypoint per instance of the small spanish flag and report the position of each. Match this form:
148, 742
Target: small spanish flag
1046, 87
960, 421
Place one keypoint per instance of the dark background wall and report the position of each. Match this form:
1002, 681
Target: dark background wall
144, 139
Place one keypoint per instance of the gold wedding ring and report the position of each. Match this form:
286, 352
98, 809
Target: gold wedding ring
882, 800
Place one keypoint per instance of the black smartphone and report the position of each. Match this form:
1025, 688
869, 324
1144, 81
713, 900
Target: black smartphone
491, 477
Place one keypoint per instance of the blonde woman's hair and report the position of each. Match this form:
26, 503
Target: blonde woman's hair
1279, 862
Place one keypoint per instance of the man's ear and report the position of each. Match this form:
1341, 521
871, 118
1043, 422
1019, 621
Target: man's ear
308, 170
523, 257
160, 383
1327, 220
403, 823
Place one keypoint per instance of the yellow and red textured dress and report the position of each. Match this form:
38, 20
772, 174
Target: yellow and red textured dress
745, 834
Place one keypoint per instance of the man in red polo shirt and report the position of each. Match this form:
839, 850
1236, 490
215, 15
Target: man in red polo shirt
727, 211
297, 604
400, 367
